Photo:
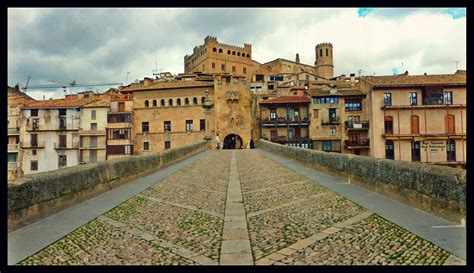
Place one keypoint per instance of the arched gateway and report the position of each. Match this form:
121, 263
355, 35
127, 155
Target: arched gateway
232, 141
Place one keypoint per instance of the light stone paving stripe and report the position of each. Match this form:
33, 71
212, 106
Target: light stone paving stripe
253, 214
216, 214
268, 177
278, 186
181, 251
301, 244
235, 244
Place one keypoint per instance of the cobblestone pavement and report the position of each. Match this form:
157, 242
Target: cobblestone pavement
291, 220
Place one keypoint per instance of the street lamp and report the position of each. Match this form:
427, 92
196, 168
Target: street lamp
207, 105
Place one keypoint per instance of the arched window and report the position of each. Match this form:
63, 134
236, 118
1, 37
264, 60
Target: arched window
415, 125
248, 55
186, 101
228, 52
451, 150
320, 52
450, 125
162, 102
388, 125
389, 150
327, 51
195, 101
220, 50
170, 102
214, 49
238, 53
178, 102
233, 52
154, 103
203, 99
147, 104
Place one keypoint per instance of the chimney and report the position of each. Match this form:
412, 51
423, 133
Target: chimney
297, 58
353, 77
147, 81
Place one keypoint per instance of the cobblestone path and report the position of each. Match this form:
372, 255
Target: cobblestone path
186, 219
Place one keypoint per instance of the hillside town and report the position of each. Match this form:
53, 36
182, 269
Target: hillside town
225, 95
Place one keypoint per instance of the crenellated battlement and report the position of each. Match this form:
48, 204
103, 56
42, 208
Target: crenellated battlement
323, 45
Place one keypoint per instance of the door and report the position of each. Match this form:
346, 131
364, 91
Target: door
273, 135
450, 126
451, 150
332, 115
415, 125
388, 125
289, 114
415, 151
389, 150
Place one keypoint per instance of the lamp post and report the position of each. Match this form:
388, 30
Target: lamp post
207, 105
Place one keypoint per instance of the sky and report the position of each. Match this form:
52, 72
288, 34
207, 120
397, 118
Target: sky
92, 46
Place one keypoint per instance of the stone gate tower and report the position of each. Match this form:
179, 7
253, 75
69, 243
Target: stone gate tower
324, 60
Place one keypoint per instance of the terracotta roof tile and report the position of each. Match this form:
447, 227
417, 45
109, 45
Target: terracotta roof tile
103, 101
59, 103
339, 92
168, 85
416, 80
287, 99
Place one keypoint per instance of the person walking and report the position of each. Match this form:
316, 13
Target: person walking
218, 142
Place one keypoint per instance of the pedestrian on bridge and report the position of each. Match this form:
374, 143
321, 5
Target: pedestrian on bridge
218, 142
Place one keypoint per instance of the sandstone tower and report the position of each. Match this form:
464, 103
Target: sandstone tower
324, 60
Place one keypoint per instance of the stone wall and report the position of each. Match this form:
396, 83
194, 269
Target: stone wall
435, 189
36, 196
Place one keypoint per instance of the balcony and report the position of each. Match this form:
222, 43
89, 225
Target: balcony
357, 125
331, 121
13, 147
32, 145
12, 165
66, 146
92, 146
420, 106
13, 131
91, 132
119, 117
32, 128
357, 144
282, 121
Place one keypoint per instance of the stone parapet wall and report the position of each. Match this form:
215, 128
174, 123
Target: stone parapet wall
36, 196
435, 189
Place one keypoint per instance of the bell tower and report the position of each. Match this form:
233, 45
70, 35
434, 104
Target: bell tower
324, 60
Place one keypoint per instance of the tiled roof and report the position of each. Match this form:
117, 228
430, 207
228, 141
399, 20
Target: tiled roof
416, 80
16, 97
287, 99
168, 85
339, 92
59, 103
103, 101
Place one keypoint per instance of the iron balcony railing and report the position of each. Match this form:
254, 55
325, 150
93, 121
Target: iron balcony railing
364, 124
331, 121
68, 145
119, 117
357, 143
32, 144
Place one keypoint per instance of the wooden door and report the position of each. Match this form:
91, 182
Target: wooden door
415, 125
450, 126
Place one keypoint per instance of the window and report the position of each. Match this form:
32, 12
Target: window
93, 126
315, 113
186, 101
332, 115
167, 126
62, 141
195, 101
33, 165
154, 103
332, 131
145, 127
415, 151
307, 78
273, 134
62, 124
62, 112
35, 123
34, 112
259, 77
162, 103
146, 146
238, 53
147, 104
213, 65
223, 67
388, 125
327, 100
93, 142
118, 133
291, 133
202, 124
203, 99
413, 98
34, 152
450, 124
389, 150
228, 52
315, 100
387, 99
121, 106
93, 156
415, 125
189, 125
451, 150
233, 52
93, 114
34, 140
62, 161
233, 69
128, 149
245, 70
320, 52
170, 102
12, 157
178, 102
353, 105
167, 145
273, 114
327, 146
448, 97
271, 87
220, 50
248, 55
327, 52
214, 49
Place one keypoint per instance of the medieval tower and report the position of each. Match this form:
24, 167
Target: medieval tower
324, 60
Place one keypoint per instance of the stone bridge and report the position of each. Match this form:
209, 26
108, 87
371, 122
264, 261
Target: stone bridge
229, 207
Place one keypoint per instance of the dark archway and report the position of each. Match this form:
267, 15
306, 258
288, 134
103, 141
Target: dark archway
233, 141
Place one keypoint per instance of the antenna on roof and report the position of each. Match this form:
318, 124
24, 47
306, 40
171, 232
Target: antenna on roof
456, 64
126, 79
359, 72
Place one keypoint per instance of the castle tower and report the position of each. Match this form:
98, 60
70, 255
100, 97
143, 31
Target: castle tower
324, 60
297, 58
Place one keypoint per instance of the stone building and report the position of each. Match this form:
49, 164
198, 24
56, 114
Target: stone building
119, 131
418, 118
49, 131
92, 130
16, 99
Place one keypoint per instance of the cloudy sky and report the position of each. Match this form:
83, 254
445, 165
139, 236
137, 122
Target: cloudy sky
102, 45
